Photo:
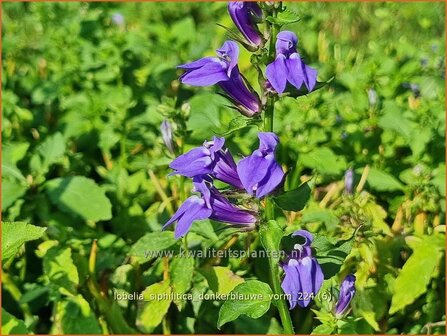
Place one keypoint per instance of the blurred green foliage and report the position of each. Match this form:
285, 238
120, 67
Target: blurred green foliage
85, 87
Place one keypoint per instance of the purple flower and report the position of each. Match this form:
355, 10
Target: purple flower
166, 134
259, 173
118, 19
223, 70
244, 15
288, 65
303, 275
194, 208
347, 291
210, 159
349, 181
212, 205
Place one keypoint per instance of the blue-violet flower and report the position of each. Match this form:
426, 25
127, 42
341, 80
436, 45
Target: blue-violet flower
244, 15
223, 71
347, 292
259, 173
303, 275
288, 65
210, 159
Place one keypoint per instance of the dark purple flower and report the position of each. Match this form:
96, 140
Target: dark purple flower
288, 65
244, 15
223, 70
303, 275
347, 291
166, 134
212, 205
210, 159
349, 181
259, 173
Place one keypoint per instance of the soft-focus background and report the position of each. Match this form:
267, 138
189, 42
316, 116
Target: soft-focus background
85, 87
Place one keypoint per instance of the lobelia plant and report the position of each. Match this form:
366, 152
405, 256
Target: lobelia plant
255, 182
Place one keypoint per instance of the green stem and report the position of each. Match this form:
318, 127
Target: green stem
269, 214
280, 303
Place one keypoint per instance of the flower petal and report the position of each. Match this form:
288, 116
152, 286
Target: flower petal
191, 210
251, 170
230, 52
291, 283
195, 162
199, 63
271, 180
276, 73
308, 237
209, 74
267, 142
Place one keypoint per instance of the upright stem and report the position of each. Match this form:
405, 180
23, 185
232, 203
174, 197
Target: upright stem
280, 303
269, 214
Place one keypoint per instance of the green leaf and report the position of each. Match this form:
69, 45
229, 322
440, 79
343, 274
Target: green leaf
394, 120
80, 196
14, 234
416, 273
12, 325
323, 329
251, 298
324, 160
330, 255
60, 270
74, 316
271, 235
295, 93
148, 246
382, 181
220, 279
12, 189
181, 271
294, 200
158, 298
50, 151
285, 17
314, 214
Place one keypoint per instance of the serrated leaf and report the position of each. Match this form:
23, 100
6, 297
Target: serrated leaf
294, 200
253, 299
285, 17
80, 196
158, 298
14, 234
417, 272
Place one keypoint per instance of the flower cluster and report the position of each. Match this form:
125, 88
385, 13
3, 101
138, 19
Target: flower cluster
257, 174
223, 70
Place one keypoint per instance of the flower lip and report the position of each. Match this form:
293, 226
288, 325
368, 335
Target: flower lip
308, 237
229, 53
